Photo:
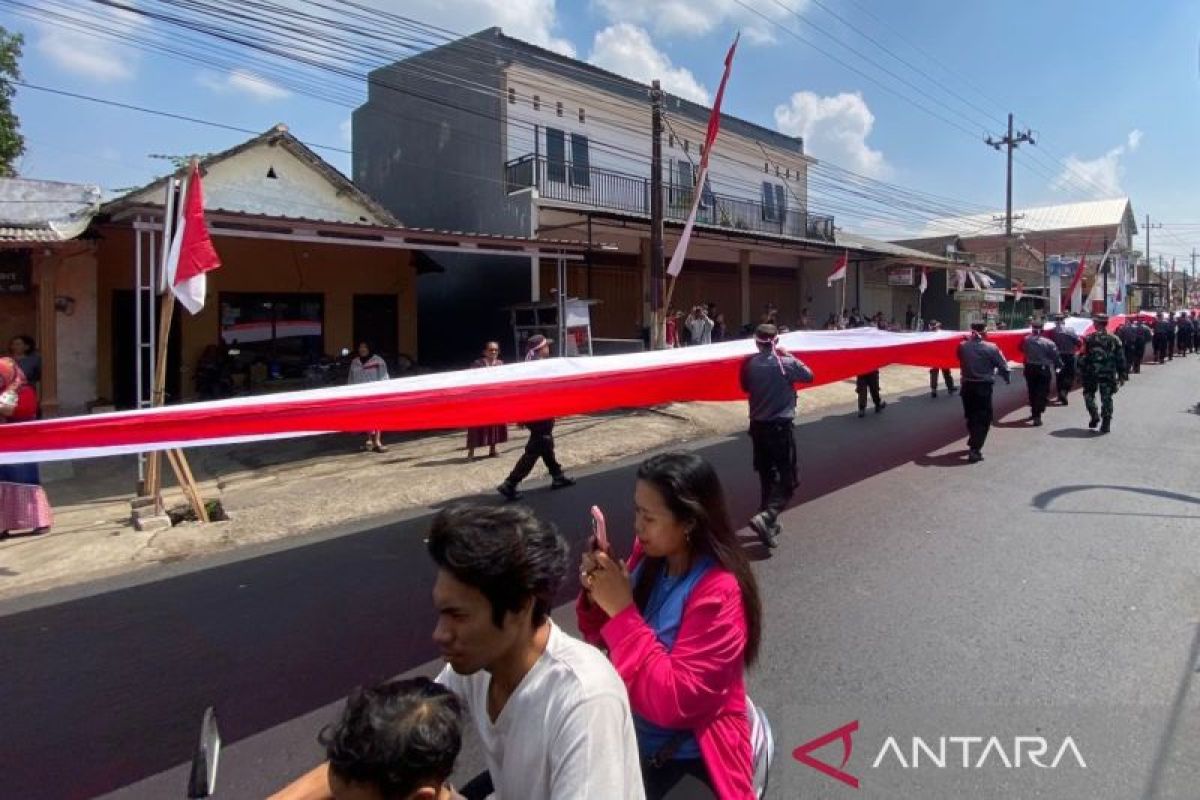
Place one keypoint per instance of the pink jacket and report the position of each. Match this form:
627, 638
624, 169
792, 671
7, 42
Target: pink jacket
700, 684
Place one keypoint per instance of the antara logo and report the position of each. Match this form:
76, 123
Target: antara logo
1024, 751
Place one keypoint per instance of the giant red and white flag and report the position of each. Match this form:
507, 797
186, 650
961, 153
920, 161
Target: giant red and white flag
839, 269
710, 138
192, 253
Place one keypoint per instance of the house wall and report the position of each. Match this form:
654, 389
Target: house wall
75, 280
337, 271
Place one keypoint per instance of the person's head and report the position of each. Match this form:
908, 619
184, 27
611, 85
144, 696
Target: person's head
395, 741
1100, 321
978, 329
1036, 324
11, 376
537, 347
364, 350
720, 318
934, 325
499, 568
21, 346
765, 336
491, 350
680, 508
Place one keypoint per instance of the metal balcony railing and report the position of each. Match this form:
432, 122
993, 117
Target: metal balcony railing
614, 191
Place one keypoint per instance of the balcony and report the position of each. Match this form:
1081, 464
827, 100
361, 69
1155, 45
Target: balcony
588, 187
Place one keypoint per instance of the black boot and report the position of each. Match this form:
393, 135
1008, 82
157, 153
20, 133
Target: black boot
1095, 420
561, 482
509, 490
1106, 425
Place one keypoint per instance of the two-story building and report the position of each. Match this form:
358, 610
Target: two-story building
490, 133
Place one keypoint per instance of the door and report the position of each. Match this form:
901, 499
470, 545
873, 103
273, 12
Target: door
377, 322
125, 347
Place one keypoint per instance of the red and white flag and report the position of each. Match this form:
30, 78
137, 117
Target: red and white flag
710, 138
924, 279
192, 253
1075, 281
839, 269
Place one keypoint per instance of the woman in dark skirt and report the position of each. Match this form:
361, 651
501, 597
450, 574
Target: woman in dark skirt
489, 435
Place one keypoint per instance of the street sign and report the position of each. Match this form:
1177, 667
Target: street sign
15, 272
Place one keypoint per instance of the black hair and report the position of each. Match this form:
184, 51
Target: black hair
505, 552
764, 335
692, 491
28, 340
397, 737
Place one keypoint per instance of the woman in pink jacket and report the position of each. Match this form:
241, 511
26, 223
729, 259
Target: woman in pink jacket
681, 622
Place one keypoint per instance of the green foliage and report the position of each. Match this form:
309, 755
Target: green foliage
12, 143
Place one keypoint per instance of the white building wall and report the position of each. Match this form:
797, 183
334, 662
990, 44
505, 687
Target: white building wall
618, 132
75, 338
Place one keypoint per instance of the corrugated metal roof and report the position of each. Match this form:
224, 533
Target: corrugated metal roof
867, 244
1090, 214
45, 211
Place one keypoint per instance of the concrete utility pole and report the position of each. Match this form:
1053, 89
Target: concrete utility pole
657, 318
1010, 142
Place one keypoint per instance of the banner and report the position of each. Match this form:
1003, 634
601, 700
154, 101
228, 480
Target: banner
513, 393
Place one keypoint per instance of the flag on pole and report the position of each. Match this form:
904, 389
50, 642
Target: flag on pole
1078, 277
192, 253
839, 269
924, 279
710, 137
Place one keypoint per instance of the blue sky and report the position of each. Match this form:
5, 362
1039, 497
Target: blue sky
1111, 88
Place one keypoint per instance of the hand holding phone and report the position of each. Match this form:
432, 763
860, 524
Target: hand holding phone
599, 530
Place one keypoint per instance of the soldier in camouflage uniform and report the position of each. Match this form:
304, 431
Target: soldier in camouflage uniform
1103, 364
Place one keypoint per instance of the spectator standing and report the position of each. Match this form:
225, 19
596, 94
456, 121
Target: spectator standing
699, 326
934, 326
23, 350
909, 317
23, 503
489, 435
719, 331
672, 329
541, 438
681, 621
368, 367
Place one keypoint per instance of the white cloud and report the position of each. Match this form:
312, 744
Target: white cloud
628, 50
1098, 175
834, 128
532, 20
72, 48
701, 17
243, 82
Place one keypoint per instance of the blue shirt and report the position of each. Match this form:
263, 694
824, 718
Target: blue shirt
664, 613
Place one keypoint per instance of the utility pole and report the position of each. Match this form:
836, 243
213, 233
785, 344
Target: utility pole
1148, 269
657, 318
1009, 142
1104, 271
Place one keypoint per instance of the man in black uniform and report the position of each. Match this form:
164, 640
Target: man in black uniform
541, 438
1144, 337
1131, 340
1183, 334
979, 361
769, 378
1041, 359
1169, 328
1161, 334
1067, 341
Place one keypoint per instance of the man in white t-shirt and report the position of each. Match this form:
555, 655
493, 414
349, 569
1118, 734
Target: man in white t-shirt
552, 713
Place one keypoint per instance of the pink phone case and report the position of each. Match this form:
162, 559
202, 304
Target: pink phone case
599, 529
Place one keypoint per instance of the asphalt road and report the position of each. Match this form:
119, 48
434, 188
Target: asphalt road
1051, 591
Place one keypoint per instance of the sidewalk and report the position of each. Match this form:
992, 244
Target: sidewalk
286, 488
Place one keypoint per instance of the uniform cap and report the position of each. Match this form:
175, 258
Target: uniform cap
1100, 318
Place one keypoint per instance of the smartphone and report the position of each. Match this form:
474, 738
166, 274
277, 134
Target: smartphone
599, 530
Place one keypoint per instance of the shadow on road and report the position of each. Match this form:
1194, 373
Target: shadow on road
1075, 433
1044, 499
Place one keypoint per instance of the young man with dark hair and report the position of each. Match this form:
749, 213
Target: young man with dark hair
395, 741
551, 711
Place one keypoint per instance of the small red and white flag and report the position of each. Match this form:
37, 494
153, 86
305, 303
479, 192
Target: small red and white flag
192, 253
924, 279
1075, 281
839, 269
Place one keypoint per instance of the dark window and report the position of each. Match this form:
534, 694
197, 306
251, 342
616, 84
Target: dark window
558, 109
685, 145
768, 190
682, 182
537, 102
671, 140
581, 173
556, 155
512, 95
780, 201
582, 116
707, 199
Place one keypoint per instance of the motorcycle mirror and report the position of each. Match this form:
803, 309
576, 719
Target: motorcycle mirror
345, 352
203, 779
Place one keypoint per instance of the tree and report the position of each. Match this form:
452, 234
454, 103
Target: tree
12, 143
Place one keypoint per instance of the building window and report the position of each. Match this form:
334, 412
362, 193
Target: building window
512, 95
682, 181
282, 332
582, 117
537, 103
685, 145
766, 167
556, 155
787, 173
558, 109
707, 198
776, 170
670, 140
774, 202
581, 173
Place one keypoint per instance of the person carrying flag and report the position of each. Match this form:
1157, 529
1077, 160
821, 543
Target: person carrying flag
979, 361
541, 438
